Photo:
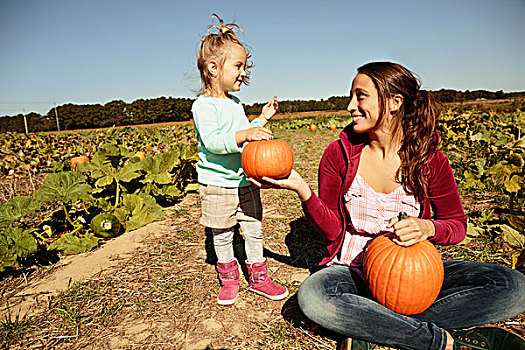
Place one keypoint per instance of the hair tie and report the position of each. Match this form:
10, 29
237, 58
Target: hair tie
224, 28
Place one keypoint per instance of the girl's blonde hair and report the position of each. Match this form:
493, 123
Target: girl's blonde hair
214, 47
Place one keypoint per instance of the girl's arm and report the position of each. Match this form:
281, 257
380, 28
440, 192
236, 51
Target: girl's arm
269, 111
259, 133
214, 139
252, 134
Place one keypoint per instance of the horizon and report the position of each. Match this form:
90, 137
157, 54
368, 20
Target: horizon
97, 52
247, 104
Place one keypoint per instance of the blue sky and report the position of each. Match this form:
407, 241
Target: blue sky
96, 51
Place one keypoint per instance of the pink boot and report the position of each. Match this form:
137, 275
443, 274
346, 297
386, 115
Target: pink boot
262, 284
229, 276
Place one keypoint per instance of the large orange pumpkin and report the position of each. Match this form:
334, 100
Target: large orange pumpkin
406, 280
270, 158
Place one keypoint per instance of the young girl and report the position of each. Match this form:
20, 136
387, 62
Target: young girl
222, 128
387, 161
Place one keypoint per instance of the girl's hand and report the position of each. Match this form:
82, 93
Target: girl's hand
252, 134
293, 182
269, 110
411, 230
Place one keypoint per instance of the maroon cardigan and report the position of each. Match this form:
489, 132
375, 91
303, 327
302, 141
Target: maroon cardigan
328, 214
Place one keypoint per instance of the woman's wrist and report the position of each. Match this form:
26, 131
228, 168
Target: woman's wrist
431, 229
303, 191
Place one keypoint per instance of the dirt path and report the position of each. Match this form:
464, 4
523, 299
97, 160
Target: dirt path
77, 268
155, 288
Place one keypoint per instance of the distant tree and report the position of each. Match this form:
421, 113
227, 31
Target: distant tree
115, 113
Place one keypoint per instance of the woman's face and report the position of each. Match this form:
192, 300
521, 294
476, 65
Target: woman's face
364, 104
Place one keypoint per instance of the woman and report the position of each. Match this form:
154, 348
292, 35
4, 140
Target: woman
387, 161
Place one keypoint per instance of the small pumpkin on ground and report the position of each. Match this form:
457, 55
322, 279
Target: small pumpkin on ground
78, 160
270, 158
140, 154
105, 225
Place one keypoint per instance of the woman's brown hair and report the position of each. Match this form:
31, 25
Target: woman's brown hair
417, 118
215, 46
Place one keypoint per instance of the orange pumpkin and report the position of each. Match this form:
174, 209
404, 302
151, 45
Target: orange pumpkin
270, 158
406, 280
78, 160
333, 126
313, 127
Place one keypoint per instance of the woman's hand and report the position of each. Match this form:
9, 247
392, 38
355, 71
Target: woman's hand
293, 182
269, 110
411, 230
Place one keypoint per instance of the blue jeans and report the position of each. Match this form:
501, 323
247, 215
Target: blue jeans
472, 294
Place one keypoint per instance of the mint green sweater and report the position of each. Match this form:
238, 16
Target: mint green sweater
216, 121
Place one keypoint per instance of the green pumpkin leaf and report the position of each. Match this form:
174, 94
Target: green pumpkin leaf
472, 232
158, 169
65, 187
128, 172
190, 153
104, 181
513, 184
17, 208
192, 187
168, 190
69, 244
137, 211
161, 179
512, 237
15, 245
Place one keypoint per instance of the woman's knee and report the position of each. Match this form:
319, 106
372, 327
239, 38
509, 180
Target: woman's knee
309, 295
517, 289
314, 300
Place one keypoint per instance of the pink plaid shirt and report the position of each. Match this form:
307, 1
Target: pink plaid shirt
370, 212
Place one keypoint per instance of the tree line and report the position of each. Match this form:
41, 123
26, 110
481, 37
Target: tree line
170, 109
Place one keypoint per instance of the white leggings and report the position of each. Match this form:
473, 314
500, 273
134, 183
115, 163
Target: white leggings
253, 242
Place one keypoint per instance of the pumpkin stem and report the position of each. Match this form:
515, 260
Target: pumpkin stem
402, 216
68, 218
117, 196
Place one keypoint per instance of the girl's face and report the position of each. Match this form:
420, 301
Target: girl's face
364, 104
233, 71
